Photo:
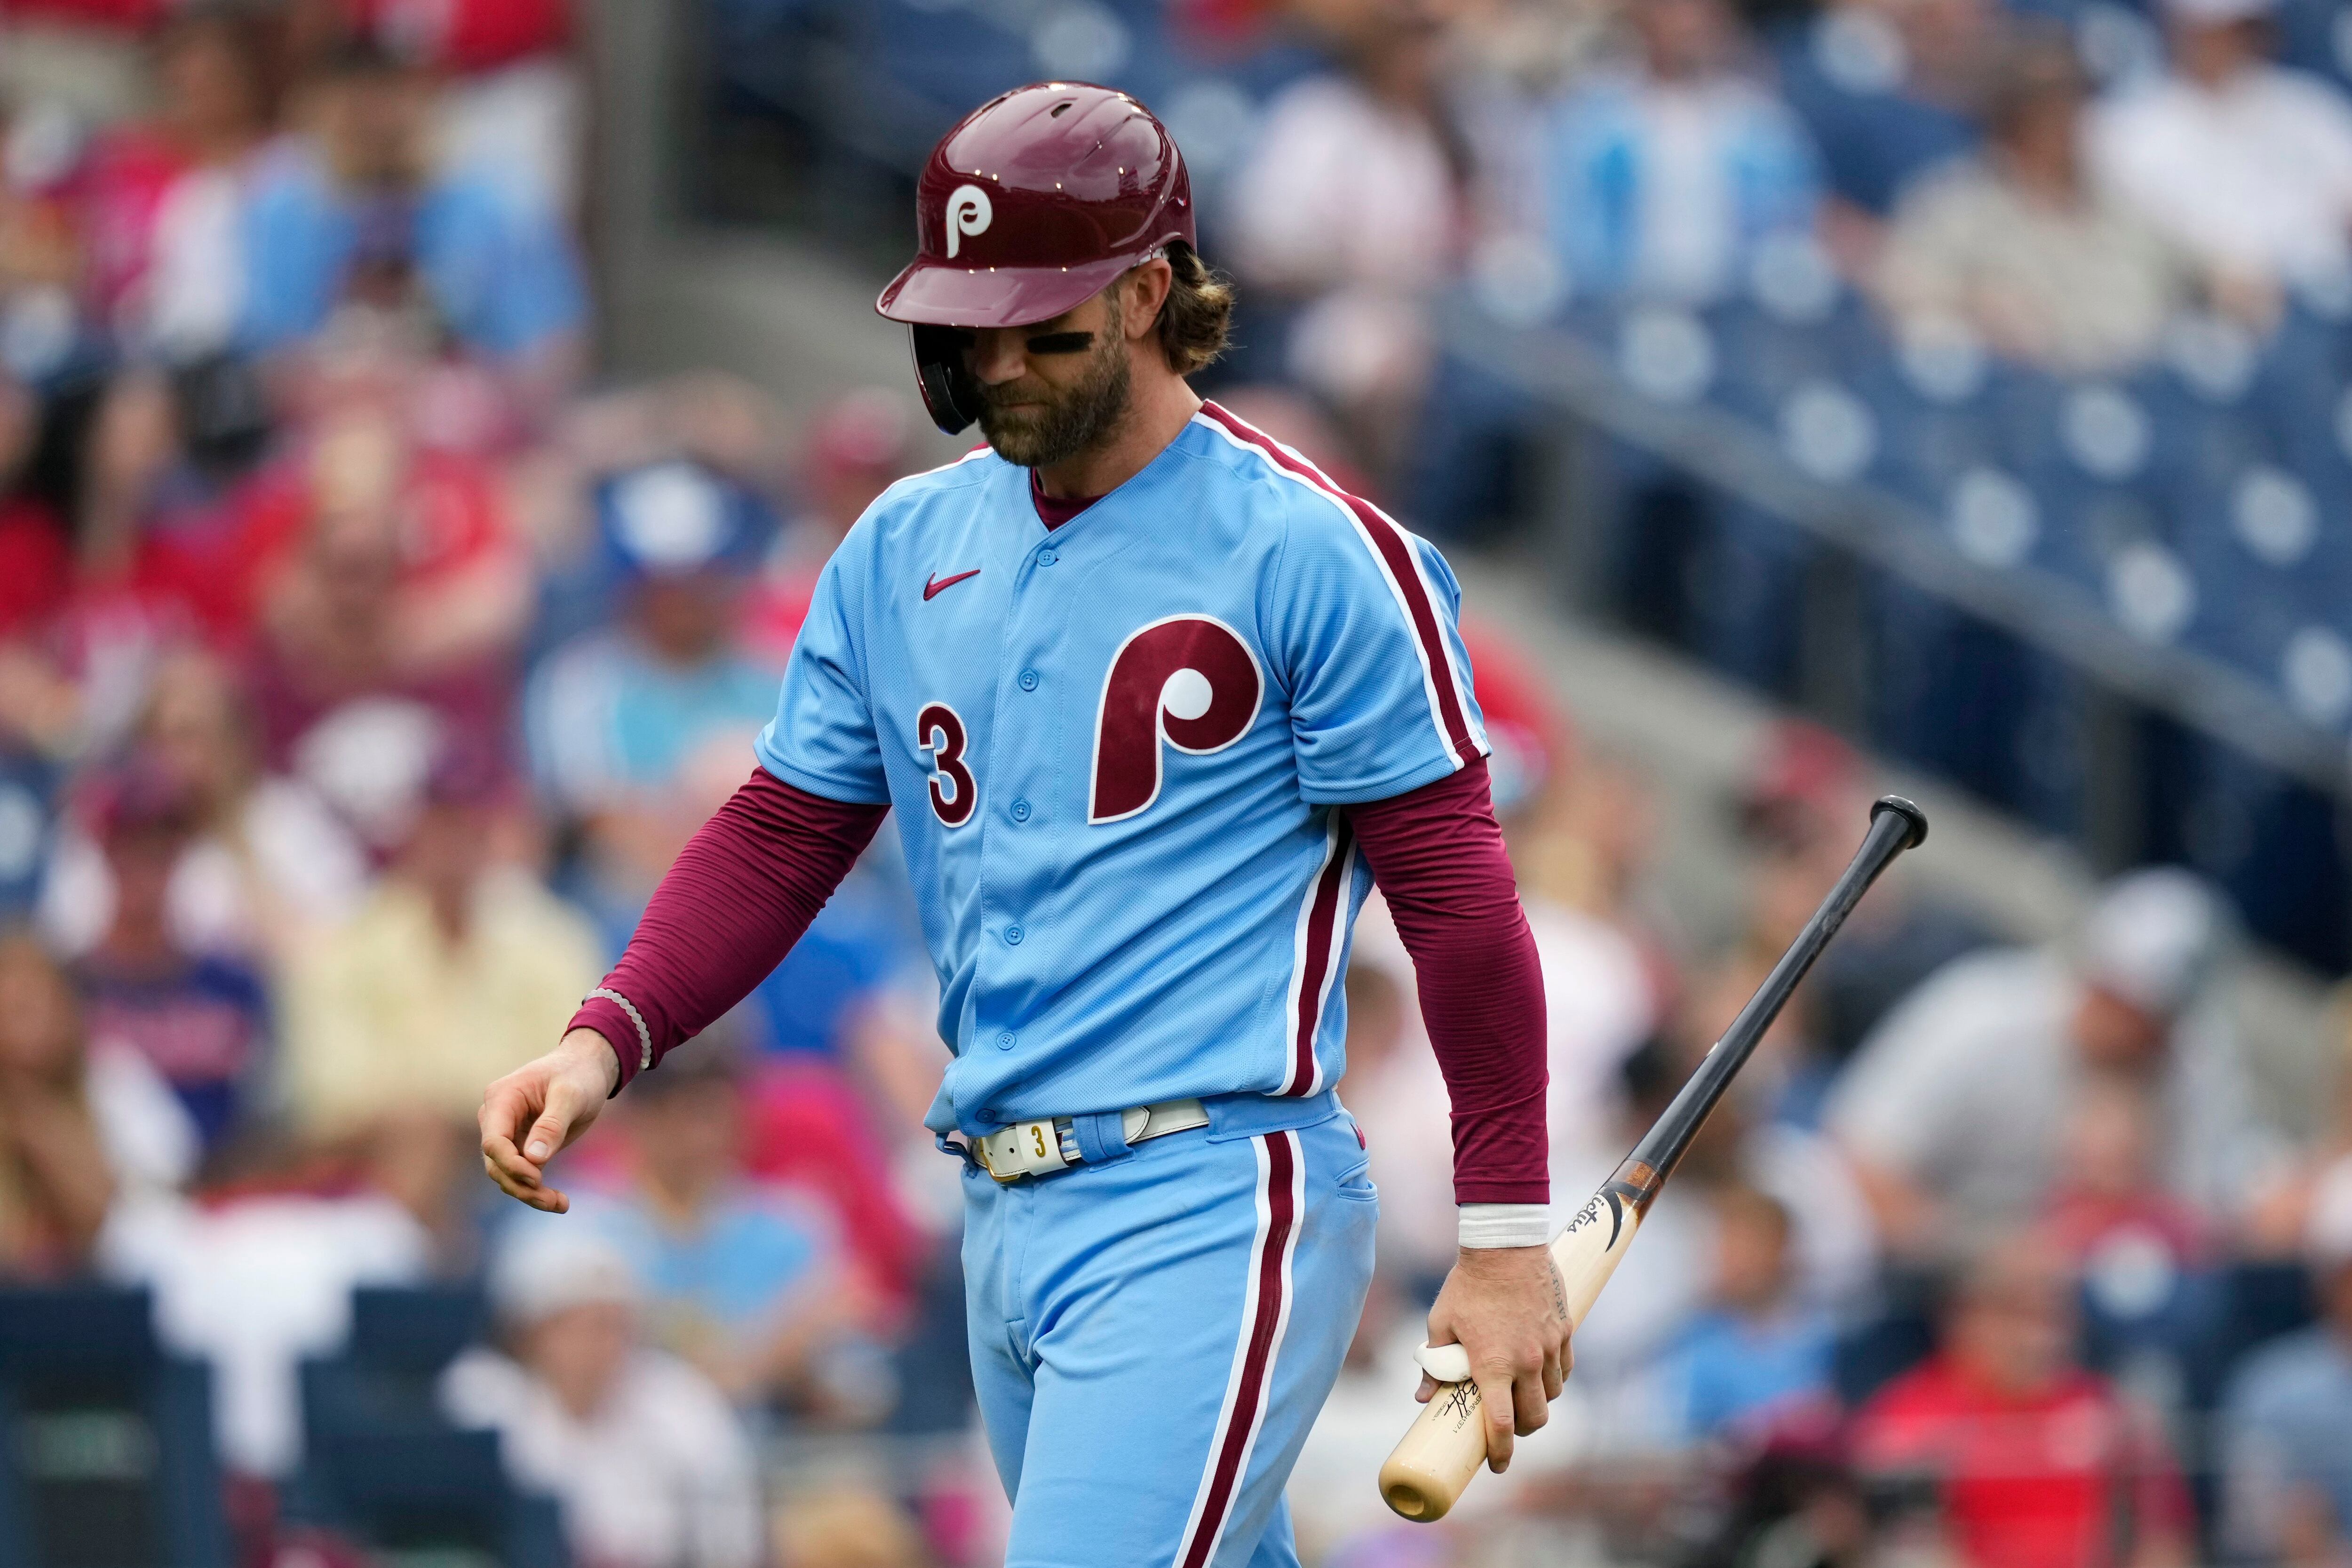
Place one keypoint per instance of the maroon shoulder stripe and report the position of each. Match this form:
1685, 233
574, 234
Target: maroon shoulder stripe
1319, 952
1251, 1389
1395, 551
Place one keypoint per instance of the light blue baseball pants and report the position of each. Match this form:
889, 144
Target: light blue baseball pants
1151, 1337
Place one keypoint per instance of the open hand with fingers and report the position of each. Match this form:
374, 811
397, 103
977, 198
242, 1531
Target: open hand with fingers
533, 1112
1505, 1307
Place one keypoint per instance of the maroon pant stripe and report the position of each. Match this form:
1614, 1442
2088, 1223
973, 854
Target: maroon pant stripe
1256, 1369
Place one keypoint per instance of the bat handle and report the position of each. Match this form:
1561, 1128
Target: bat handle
1429, 1469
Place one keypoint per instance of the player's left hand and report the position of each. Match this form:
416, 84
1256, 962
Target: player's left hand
1508, 1310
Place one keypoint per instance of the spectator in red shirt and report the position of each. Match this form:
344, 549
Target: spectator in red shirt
391, 624
2037, 1463
161, 200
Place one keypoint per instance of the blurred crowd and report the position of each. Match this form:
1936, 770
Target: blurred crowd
2060, 182
2061, 289
1997, 1255
367, 660
366, 657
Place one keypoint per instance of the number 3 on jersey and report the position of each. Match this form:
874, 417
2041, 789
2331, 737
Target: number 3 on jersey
938, 730
1188, 681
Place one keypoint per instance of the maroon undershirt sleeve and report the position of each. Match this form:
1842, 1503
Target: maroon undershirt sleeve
748, 884
1437, 853
741, 892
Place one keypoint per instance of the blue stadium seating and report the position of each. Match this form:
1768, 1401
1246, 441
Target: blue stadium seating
109, 1458
442, 1492
380, 1462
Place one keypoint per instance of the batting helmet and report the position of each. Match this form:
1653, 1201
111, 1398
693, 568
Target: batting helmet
1036, 201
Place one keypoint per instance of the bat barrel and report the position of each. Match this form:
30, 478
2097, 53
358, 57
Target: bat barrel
1896, 825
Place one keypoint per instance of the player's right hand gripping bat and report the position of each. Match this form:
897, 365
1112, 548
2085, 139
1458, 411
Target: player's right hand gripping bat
1447, 1443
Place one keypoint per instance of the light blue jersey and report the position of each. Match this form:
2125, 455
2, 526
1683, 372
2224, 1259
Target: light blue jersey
1115, 750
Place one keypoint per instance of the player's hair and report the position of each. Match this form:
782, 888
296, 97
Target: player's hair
1199, 312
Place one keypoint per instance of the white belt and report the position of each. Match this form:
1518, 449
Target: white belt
1041, 1147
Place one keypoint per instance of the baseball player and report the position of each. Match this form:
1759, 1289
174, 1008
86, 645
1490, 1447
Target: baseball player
1156, 703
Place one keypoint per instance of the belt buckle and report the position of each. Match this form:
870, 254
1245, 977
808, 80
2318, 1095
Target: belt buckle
1023, 1149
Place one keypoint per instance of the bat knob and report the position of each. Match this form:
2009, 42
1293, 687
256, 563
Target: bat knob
1909, 813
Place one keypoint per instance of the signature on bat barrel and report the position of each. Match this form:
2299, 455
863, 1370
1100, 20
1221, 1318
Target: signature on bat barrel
1590, 1214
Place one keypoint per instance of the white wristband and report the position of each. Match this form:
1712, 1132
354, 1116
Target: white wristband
645, 1036
1506, 1225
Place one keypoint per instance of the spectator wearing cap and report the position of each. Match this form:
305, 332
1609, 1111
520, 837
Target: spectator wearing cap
650, 1466
365, 218
2017, 242
1668, 174
2287, 1417
201, 1017
2241, 163
1955, 1111
638, 732
451, 974
2033, 1462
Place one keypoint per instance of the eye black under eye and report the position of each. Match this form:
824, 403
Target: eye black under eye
1060, 343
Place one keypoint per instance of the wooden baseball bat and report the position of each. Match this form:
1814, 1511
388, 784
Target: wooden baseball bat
1447, 1442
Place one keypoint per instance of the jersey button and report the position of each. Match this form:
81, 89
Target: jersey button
1046, 558
1019, 811
1028, 680
1013, 934
1005, 1040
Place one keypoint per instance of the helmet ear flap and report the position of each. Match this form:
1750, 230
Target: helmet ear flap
949, 392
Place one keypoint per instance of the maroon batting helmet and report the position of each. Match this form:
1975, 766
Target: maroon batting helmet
1036, 201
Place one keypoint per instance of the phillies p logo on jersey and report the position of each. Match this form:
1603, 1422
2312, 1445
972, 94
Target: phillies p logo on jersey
969, 212
1188, 681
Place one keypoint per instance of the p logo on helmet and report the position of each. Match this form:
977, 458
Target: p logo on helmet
968, 213
1089, 185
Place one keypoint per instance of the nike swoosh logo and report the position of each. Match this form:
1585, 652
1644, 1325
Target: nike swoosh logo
935, 585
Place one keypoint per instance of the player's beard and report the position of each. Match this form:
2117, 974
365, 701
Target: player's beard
1083, 417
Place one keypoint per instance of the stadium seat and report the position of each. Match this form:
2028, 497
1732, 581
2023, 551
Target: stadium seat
2314, 35
109, 1458
386, 1375
1932, 399
443, 1493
